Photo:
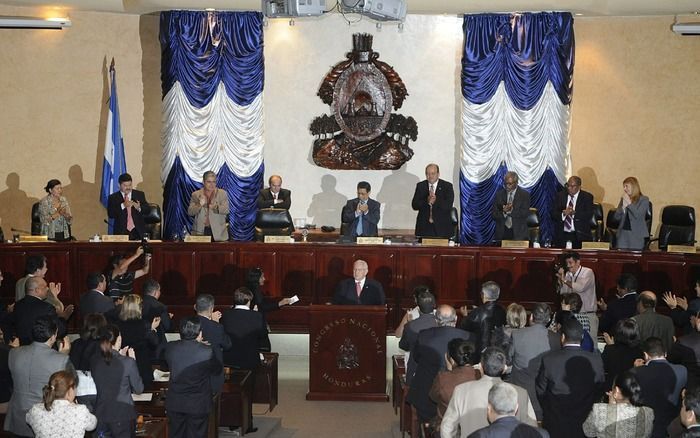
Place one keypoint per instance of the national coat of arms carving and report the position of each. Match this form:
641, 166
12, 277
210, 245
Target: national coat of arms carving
362, 132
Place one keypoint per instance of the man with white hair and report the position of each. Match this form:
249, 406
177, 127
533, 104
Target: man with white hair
482, 320
500, 411
510, 210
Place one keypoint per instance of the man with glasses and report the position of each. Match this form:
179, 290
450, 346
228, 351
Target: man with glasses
510, 210
572, 214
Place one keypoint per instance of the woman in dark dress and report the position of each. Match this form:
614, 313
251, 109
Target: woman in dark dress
82, 352
138, 334
255, 279
621, 351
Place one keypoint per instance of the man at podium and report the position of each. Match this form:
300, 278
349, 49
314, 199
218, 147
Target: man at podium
359, 289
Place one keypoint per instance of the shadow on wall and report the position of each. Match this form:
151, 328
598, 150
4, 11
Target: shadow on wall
396, 194
15, 206
84, 200
326, 207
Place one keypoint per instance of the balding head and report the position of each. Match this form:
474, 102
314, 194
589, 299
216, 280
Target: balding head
446, 316
275, 182
359, 270
36, 287
647, 301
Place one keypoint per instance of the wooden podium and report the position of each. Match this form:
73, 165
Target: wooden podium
347, 353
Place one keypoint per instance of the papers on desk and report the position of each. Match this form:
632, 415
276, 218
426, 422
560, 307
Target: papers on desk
145, 397
161, 376
293, 299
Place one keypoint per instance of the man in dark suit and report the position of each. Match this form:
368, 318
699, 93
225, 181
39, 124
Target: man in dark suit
625, 306
31, 307
510, 210
426, 319
500, 411
94, 300
690, 412
428, 358
529, 345
153, 308
213, 333
661, 383
571, 215
482, 320
362, 213
192, 365
433, 199
247, 331
359, 289
652, 324
570, 380
275, 196
127, 208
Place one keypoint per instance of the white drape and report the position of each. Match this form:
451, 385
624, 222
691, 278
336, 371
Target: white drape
206, 138
527, 141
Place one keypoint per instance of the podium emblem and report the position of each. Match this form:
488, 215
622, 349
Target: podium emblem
347, 358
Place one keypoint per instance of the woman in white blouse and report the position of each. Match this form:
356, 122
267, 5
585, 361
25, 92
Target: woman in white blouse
59, 416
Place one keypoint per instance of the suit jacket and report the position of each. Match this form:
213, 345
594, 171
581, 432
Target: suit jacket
634, 238
31, 366
119, 214
482, 320
137, 334
369, 220
622, 308
661, 384
94, 301
192, 365
581, 220
27, 310
266, 200
654, 324
413, 327
526, 351
214, 334
217, 215
427, 359
521, 209
509, 427
446, 382
570, 380
372, 293
686, 352
151, 309
467, 408
247, 332
618, 358
115, 382
442, 207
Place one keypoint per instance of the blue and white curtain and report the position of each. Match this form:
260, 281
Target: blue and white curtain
517, 72
212, 74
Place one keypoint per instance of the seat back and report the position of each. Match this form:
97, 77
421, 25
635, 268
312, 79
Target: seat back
533, 225
454, 218
597, 222
36, 220
273, 222
152, 219
677, 226
611, 226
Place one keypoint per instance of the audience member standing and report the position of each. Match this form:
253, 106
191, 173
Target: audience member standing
501, 413
651, 323
139, 335
120, 281
580, 280
83, 351
192, 365
213, 333
622, 351
686, 352
152, 309
31, 307
482, 320
690, 412
426, 319
460, 361
255, 280
625, 306
95, 300
58, 415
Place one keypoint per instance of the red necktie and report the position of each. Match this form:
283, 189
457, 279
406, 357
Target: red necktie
129, 219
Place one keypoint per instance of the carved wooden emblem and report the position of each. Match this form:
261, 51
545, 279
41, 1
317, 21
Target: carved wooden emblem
363, 133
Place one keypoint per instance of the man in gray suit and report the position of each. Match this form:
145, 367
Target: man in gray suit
426, 319
31, 366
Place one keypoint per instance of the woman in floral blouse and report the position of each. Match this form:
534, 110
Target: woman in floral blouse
54, 212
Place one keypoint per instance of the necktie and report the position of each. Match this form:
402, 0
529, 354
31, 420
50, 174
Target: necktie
129, 219
274, 195
358, 229
432, 192
509, 220
568, 220
358, 288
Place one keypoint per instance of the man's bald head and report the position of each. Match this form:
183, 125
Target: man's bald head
647, 300
446, 316
36, 287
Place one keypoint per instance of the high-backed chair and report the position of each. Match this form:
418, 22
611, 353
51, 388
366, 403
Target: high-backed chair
612, 224
677, 226
597, 222
454, 218
533, 225
273, 222
152, 219
36, 220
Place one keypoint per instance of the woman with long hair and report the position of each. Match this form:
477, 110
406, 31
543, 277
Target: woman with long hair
54, 213
255, 279
138, 334
624, 415
621, 350
631, 213
82, 352
116, 378
58, 414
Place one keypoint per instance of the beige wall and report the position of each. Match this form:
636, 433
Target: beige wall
635, 111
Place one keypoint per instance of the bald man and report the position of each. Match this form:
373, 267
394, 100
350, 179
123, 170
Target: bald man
275, 196
433, 199
651, 323
359, 289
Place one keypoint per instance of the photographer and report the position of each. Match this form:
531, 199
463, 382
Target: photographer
578, 279
121, 281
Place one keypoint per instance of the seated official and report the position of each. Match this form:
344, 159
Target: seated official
275, 196
571, 215
359, 289
362, 213
209, 207
54, 213
126, 208
510, 210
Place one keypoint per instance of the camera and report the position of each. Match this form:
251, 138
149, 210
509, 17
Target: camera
147, 249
